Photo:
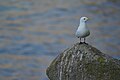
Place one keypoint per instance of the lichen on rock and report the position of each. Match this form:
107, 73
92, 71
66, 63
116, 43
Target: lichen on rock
83, 62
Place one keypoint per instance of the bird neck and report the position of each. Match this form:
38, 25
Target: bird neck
82, 25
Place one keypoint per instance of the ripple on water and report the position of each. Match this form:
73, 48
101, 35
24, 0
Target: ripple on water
16, 47
9, 8
6, 72
109, 29
24, 49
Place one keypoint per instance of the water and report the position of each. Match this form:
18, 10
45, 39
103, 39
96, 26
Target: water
34, 32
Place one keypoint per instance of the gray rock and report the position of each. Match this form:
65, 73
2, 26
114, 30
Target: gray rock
83, 62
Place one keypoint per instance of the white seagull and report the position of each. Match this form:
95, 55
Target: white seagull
82, 31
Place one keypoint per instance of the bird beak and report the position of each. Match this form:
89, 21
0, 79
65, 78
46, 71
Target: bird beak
87, 18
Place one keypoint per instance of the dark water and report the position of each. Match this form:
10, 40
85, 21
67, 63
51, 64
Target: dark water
33, 32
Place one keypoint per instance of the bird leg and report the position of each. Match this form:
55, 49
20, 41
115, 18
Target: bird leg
84, 40
80, 41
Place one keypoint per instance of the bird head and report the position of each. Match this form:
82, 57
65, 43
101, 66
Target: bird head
83, 19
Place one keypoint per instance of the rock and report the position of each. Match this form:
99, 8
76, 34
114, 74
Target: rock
83, 62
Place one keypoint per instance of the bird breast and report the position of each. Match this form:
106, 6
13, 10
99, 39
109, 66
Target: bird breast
82, 33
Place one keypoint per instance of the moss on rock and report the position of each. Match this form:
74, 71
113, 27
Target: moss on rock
83, 62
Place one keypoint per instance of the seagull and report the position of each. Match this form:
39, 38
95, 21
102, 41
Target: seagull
82, 31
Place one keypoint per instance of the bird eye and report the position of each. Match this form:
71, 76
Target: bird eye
84, 18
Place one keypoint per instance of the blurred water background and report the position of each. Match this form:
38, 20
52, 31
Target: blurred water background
34, 32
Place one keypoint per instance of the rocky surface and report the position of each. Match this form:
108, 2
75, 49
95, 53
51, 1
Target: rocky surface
83, 62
